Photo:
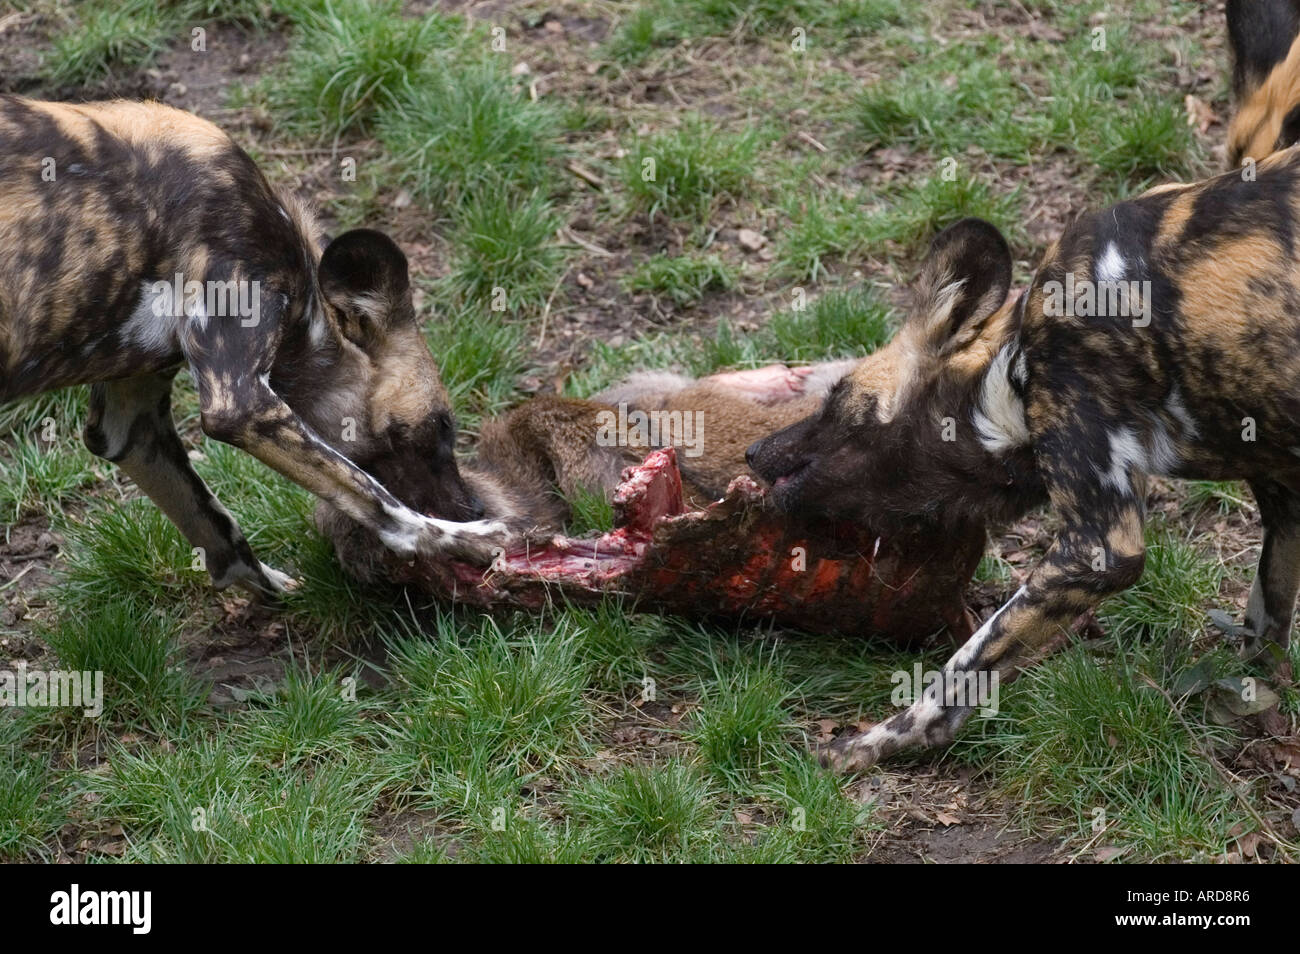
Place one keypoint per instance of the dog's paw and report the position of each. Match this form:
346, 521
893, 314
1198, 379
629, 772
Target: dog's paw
280, 584
266, 584
849, 753
479, 542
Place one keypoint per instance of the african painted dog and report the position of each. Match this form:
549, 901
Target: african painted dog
1264, 36
135, 238
982, 407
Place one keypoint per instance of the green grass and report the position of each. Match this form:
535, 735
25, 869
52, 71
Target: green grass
468, 133
686, 173
821, 228
521, 841
659, 813
817, 821
1090, 732
1169, 599
310, 716
591, 511
1224, 496
1091, 105
40, 476
662, 23
353, 59
479, 356
1080, 735
611, 733
841, 323
742, 723
107, 39
34, 799
133, 644
481, 707
505, 255
128, 549
207, 802
682, 279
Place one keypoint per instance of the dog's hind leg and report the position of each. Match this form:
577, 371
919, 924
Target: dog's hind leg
1272, 597
130, 424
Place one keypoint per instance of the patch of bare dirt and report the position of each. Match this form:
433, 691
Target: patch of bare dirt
946, 817
29, 551
200, 80
394, 835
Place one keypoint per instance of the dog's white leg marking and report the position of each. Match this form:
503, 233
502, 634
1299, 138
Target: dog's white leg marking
1162, 456
414, 529
1126, 456
929, 720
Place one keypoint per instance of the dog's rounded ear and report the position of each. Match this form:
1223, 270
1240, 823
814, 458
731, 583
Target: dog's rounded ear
1260, 34
364, 278
965, 279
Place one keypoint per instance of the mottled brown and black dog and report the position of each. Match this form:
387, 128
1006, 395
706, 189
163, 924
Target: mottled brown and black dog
1264, 36
1159, 336
135, 238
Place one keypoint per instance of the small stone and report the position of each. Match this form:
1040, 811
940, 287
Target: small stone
750, 240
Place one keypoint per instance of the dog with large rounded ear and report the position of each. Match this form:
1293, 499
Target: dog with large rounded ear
365, 282
1262, 35
963, 283
403, 432
874, 453
965, 279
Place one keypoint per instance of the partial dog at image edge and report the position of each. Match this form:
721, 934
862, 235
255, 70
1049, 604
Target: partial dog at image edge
701, 541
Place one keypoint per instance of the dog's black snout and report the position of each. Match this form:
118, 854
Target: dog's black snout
475, 508
751, 453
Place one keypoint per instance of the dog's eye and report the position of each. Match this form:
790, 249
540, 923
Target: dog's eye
446, 429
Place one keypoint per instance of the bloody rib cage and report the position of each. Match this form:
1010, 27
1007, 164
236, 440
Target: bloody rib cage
736, 559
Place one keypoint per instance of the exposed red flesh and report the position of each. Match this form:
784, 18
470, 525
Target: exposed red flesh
737, 558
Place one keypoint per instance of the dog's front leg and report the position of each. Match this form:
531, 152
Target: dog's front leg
1094, 557
243, 411
130, 423
1273, 594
